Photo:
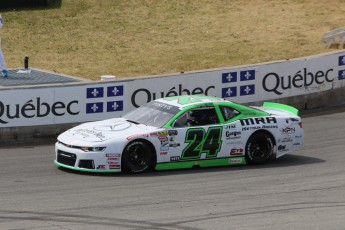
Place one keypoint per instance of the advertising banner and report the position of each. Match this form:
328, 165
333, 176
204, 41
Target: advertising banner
102, 100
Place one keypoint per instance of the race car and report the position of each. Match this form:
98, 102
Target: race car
182, 132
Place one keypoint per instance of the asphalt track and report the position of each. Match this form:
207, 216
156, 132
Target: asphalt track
303, 190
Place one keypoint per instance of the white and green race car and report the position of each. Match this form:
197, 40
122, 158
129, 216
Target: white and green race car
182, 132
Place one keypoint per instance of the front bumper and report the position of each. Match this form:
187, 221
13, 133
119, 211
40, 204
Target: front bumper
77, 159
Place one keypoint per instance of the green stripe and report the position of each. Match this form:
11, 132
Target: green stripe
86, 170
201, 163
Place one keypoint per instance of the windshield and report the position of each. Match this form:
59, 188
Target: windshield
153, 114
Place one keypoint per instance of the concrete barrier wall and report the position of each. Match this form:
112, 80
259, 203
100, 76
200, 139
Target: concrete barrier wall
35, 112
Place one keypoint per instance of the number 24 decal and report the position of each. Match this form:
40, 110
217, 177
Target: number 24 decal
201, 142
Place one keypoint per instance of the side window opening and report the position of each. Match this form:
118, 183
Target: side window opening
228, 112
197, 117
181, 121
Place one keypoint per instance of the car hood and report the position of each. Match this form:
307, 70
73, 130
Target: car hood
104, 130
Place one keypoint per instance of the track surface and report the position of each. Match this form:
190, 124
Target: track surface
303, 190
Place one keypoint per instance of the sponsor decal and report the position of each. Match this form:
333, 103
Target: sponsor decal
296, 144
294, 119
136, 135
251, 128
177, 158
282, 148
298, 136
274, 83
164, 148
258, 121
164, 143
68, 155
172, 132
233, 135
162, 134
36, 108
174, 144
113, 158
236, 152
174, 91
87, 132
163, 138
235, 160
234, 143
232, 126
112, 155
114, 166
101, 167
162, 105
288, 130
285, 140
270, 126
163, 153
153, 134
113, 162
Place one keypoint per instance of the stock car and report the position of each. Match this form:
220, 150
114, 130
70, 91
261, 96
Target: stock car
182, 132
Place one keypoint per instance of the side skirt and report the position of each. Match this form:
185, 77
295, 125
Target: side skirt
202, 163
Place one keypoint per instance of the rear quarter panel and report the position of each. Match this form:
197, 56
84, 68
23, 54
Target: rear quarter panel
287, 133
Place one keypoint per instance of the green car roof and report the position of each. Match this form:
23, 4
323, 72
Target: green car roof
186, 102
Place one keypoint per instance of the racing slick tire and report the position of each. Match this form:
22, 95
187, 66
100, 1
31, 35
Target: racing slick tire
259, 148
137, 157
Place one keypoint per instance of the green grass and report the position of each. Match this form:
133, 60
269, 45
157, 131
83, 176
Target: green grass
89, 38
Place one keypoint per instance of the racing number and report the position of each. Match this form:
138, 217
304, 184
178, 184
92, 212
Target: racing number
199, 143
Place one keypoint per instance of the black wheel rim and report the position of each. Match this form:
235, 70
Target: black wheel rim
137, 157
260, 149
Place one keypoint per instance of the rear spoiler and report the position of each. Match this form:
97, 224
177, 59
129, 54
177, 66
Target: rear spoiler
272, 105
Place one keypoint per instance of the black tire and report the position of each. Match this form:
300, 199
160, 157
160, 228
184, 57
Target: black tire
137, 157
259, 148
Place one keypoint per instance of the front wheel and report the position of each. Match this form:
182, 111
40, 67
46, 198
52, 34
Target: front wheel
259, 148
137, 157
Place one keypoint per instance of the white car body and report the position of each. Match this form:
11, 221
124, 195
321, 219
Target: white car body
99, 146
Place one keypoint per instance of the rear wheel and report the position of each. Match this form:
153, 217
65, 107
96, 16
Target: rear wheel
259, 148
137, 157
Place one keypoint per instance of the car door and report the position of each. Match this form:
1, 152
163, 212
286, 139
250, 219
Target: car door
199, 135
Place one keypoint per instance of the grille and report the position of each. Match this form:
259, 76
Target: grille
66, 158
86, 164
